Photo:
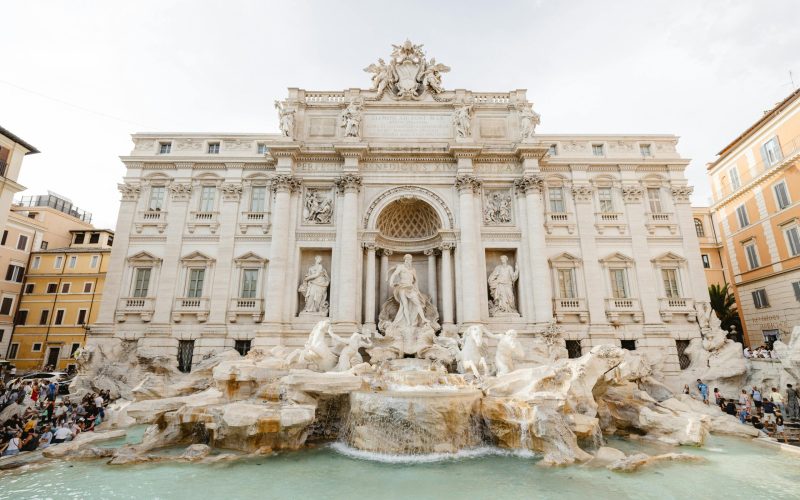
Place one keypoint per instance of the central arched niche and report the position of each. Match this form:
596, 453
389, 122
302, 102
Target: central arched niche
408, 219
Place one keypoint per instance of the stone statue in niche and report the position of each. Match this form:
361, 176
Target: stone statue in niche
462, 120
315, 289
350, 119
497, 209
528, 120
286, 119
406, 291
318, 207
501, 288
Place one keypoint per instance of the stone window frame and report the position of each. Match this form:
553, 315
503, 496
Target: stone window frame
249, 260
607, 182
751, 242
157, 179
142, 260
197, 260
785, 227
785, 191
671, 260
618, 260
699, 228
566, 260
557, 182
200, 181
655, 181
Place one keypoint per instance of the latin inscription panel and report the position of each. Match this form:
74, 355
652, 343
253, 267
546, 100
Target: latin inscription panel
408, 126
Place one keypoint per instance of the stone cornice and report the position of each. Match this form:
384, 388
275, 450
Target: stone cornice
531, 152
284, 150
355, 150
465, 151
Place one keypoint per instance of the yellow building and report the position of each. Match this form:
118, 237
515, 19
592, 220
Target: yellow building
33, 223
714, 264
755, 184
61, 296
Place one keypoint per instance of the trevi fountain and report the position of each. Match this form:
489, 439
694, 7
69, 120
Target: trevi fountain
439, 387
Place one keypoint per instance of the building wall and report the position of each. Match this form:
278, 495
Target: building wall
11, 156
50, 272
711, 250
768, 223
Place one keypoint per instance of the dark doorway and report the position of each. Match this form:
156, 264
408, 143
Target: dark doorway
574, 348
185, 353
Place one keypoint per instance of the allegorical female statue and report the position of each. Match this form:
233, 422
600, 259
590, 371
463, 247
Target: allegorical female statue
501, 286
315, 288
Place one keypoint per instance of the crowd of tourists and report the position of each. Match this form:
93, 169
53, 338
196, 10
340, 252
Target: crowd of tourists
761, 352
767, 412
35, 417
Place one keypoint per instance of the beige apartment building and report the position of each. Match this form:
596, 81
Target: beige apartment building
33, 223
755, 184
12, 151
711, 252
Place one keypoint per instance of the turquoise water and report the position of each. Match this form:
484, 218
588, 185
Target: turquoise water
735, 469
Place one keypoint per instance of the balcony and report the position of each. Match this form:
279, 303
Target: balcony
203, 219
555, 220
187, 306
135, 306
571, 307
244, 307
670, 306
151, 218
617, 308
660, 219
259, 220
605, 220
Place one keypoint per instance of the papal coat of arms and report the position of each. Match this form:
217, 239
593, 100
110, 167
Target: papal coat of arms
408, 75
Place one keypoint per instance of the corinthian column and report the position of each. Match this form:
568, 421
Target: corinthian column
447, 286
431, 253
283, 185
350, 254
369, 292
532, 185
471, 286
384, 285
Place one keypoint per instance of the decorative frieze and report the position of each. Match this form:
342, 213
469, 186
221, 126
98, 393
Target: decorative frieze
317, 206
497, 208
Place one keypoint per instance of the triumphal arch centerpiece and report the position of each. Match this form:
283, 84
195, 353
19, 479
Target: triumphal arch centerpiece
407, 211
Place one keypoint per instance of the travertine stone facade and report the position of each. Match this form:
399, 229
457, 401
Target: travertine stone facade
598, 227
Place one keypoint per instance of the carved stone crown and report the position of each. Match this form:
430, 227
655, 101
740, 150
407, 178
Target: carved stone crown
464, 182
408, 75
682, 193
349, 182
529, 182
130, 192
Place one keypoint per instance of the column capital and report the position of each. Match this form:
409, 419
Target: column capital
682, 194
231, 191
349, 183
130, 191
468, 182
632, 193
369, 245
285, 183
180, 191
582, 192
386, 251
447, 246
429, 251
529, 183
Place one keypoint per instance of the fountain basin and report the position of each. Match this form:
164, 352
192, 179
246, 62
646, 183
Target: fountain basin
409, 422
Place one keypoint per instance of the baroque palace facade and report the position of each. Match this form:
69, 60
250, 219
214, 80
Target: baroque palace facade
247, 240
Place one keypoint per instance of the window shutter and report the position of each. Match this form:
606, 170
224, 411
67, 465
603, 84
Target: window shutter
779, 153
796, 287
764, 157
9, 272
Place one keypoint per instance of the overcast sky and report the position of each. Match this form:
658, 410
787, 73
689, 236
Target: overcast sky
78, 77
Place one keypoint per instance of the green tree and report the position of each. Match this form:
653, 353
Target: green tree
724, 305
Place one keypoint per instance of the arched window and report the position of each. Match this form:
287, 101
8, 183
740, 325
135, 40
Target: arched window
698, 227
